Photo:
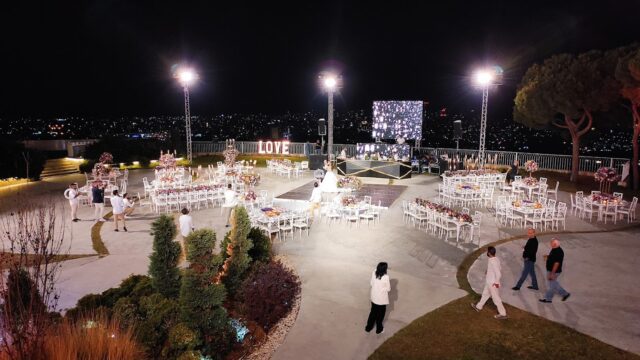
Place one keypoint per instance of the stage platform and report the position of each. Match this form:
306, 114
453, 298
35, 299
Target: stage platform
386, 194
374, 168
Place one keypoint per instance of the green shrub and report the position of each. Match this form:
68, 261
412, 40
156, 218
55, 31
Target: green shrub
135, 286
163, 268
238, 260
201, 298
261, 249
269, 292
181, 339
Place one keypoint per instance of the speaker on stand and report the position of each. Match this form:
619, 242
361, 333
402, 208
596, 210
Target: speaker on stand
457, 132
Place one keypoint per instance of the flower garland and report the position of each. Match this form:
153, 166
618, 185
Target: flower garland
195, 188
470, 172
444, 210
350, 182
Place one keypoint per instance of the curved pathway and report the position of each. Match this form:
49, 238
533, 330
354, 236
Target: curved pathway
598, 271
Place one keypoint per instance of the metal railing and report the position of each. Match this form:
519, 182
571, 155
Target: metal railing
545, 161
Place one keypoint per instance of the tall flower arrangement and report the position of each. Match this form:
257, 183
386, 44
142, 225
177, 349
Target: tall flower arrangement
605, 176
230, 154
101, 168
167, 161
531, 167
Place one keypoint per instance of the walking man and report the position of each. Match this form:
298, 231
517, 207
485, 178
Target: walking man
492, 285
554, 269
529, 256
230, 202
72, 194
315, 200
97, 196
186, 227
380, 287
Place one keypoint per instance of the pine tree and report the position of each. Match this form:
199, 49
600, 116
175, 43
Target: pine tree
201, 297
238, 260
165, 276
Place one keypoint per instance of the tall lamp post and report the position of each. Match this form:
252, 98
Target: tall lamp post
186, 77
484, 79
331, 84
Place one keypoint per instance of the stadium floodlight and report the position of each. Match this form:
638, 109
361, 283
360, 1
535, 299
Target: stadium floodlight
186, 77
485, 78
331, 83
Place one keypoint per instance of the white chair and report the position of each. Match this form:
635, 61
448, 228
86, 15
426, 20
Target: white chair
586, 208
286, 226
302, 223
610, 211
535, 218
304, 165
560, 216
511, 217
367, 215
629, 211
554, 192
145, 203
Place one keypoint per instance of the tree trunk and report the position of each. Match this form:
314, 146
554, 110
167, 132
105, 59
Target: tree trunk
576, 129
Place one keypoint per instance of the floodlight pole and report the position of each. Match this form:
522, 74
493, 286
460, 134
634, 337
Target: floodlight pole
483, 126
187, 122
330, 124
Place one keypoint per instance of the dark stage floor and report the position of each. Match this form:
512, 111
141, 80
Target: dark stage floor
387, 194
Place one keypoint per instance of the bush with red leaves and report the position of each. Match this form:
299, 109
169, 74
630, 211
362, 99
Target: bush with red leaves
268, 293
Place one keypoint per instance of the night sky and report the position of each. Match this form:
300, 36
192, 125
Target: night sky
110, 58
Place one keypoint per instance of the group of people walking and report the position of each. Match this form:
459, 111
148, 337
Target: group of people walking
381, 286
553, 265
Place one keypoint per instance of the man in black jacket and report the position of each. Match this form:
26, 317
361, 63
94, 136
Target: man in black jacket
554, 269
529, 256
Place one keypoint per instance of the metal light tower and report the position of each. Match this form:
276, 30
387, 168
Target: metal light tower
187, 77
330, 83
484, 79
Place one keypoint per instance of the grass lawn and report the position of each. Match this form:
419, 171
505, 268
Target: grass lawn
455, 331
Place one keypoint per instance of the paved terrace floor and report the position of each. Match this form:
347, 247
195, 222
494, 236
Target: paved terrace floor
335, 263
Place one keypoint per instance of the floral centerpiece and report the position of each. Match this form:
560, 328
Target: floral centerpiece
350, 182
444, 210
101, 168
530, 181
469, 172
230, 153
531, 166
106, 158
167, 161
349, 200
250, 196
250, 179
605, 176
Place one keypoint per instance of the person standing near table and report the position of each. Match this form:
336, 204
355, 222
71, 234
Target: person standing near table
513, 171
492, 285
117, 203
554, 269
529, 256
315, 200
72, 194
229, 203
97, 198
380, 287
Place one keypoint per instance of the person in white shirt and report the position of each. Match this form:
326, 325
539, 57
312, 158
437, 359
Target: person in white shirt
230, 201
128, 204
380, 287
492, 285
72, 194
316, 199
117, 203
186, 227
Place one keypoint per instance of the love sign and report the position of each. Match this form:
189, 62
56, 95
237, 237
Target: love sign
273, 147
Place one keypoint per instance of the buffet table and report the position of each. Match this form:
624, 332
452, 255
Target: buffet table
374, 168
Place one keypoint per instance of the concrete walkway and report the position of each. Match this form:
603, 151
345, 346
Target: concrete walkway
598, 271
335, 264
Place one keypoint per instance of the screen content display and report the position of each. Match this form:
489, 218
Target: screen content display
397, 119
382, 151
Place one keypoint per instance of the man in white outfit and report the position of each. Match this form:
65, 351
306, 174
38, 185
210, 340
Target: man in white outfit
315, 200
492, 285
72, 194
230, 201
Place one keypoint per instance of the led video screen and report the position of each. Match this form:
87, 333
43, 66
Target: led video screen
397, 119
384, 151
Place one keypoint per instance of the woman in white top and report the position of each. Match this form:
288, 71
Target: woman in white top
380, 287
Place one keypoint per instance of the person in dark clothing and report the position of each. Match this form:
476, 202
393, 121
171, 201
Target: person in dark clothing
513, 171
554, 269
318, 147
97, 198
529, 256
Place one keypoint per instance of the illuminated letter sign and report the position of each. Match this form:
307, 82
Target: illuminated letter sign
273, 147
